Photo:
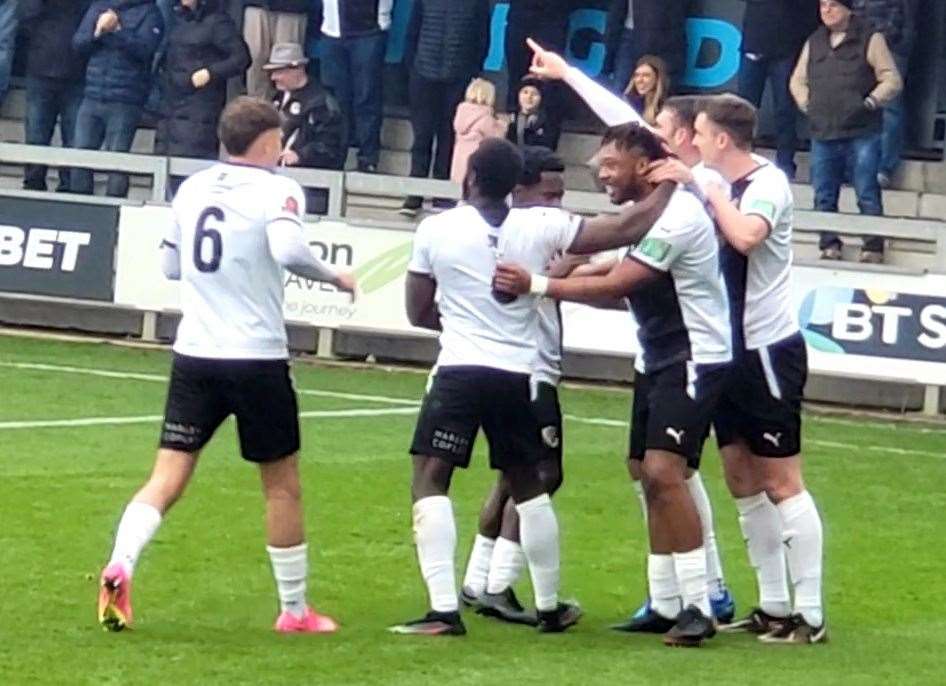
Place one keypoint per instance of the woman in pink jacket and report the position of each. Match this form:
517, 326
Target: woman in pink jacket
474, 122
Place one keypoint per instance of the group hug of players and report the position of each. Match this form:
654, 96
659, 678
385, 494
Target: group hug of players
702, 246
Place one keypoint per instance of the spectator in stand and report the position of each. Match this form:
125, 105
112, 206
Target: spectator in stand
648, 87
773, 32
844, 77
314, 130
545, 21
265, 23
474, 122
53, 79
354, 38
530, 123
445, 47
119, 38
896, 19
9, 18
204, 49
645, 27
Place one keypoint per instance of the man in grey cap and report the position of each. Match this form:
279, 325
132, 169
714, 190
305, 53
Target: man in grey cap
314, 130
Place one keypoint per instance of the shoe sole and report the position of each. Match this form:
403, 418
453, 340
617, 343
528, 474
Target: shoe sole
110, 617
408, 631
819, 638
524, 619
684, 642
561, 628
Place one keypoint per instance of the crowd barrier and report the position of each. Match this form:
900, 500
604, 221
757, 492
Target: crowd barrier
858, 324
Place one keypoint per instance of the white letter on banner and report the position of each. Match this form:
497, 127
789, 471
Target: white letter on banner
11, 245
71, 242
933, 319
890, 316
39, 249
852, 323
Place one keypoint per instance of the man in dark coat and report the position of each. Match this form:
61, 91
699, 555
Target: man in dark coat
204, 49
445, 47
119, 38
315, 131
54, 76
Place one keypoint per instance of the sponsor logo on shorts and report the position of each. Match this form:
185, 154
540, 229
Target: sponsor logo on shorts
676, 434
775, 439
550, 436
181, 434
450, 441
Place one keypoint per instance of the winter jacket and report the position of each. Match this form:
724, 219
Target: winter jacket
49, 26
200, 39
291, 6
313, 126
893, 18
659, 29
448, 40
776, 29
532, 129
473, 124
119, 63
544, 20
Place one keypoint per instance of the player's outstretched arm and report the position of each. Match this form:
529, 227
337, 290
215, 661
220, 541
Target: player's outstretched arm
627, 227
610, 108
624, 278
289, 249
420, 298
744, 232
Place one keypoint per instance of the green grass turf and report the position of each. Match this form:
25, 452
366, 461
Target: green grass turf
204, 597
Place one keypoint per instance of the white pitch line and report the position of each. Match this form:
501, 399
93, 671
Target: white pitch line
357, 396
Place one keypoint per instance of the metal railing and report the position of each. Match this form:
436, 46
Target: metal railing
342, 186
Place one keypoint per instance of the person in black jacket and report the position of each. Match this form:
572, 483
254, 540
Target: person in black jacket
773, 32
315, 132
53, 78
204, 49
265, 23
9, 23
445, 48
530, 124
119, 38
645, 27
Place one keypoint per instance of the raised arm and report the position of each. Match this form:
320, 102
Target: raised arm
625, 276
744, 232
627, 227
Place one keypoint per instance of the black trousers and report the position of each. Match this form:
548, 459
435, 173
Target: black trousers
433, 105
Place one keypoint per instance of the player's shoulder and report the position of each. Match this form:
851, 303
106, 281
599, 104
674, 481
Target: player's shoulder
684, 210
453, 219
770, 177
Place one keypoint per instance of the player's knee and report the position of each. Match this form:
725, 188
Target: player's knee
783, 486
660, 476
431, 477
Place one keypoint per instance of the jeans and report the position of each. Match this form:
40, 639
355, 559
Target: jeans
49, 100
433, 104
828, 162
104, 125
892, 142
352, 68
753, 75
8, 24
625, 60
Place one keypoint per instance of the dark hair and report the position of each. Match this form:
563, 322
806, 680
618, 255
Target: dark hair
734, 115
529, 80
243, 120
536, 160
497, 166
684, 108
633, 136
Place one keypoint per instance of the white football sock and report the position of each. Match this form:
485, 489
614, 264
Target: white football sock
663, 586
691, 575
435, 534
803, 548
538, 529
761, 527
714, 567
639, 490
506, 565
478, 566
290, 569
139, 523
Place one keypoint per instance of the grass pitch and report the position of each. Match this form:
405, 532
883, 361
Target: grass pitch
204, 597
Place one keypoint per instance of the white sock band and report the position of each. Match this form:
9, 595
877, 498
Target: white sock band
435, 535
477, 568
663, 587
538, 529
714, 567
290, 570
691, 575
138, 525
506, 566
762, 529
804, 543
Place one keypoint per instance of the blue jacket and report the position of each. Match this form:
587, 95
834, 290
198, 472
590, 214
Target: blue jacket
119, 67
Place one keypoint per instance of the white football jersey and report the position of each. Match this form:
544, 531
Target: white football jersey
459, 250
548, 359
760, 283
231, 286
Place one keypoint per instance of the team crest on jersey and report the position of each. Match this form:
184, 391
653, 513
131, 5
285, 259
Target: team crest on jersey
291, 205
